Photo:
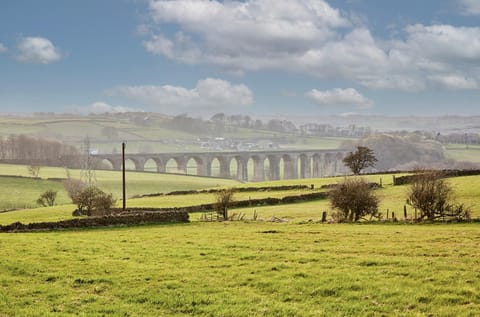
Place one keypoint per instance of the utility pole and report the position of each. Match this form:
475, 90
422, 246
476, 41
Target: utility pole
123, 177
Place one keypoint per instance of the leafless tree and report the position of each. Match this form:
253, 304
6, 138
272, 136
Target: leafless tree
434, 197
223, 200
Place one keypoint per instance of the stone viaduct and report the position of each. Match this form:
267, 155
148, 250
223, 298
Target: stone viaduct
272, 165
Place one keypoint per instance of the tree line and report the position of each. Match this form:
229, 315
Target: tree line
24, 149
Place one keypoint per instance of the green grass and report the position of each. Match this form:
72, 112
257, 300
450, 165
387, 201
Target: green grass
462, 153
243, 269
18, 193
43, 214
392, 198
21, 193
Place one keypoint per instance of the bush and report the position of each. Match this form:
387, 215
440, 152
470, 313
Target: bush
354, 199
90, 200
47, 198
434, 197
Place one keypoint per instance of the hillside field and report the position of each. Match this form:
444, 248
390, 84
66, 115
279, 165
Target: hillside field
23, 192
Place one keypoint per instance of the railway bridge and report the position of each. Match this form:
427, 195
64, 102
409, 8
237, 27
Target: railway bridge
245, 166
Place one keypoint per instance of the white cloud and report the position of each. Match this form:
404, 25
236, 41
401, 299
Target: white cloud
102, 107
208, 93
470, 7
37, 50
3, 48
340, 97
311, 37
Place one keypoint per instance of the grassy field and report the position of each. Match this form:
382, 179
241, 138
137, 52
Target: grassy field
392, 198
243, 269
23, 192
462, 153
297, 268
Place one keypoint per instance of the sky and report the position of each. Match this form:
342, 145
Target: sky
261, 57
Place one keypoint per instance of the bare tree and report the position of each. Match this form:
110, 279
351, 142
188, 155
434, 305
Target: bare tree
434, 197
362, 158
355, 199
34, 170
223, 200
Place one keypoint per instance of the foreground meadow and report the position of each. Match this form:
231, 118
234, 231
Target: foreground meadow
243, 269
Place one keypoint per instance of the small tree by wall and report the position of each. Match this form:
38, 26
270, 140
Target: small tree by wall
354, 199
47, 198
434, 197
34, 170
362, 158
90, 200
223, 200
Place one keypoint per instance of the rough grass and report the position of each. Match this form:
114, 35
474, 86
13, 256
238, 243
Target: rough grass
243, 269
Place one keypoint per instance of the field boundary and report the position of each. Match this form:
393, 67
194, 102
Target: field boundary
145, 217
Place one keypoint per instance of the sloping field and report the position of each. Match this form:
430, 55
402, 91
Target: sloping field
23, 192
243, 269
392, 200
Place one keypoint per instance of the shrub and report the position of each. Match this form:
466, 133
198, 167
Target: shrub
354, 199
90, 200
434, 197
47, 198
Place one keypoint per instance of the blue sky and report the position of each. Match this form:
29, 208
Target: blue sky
266, 57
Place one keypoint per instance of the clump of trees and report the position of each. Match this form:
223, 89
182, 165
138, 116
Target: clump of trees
355, 200
48, 198
223, 199
434, 197
361, 159
24, 149
90, 200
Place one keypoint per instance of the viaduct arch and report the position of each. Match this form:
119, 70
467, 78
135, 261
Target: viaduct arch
272, 165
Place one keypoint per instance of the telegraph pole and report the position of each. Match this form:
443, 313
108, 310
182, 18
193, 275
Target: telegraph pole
123, 177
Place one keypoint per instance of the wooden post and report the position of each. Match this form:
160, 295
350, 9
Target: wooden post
393, 216
324, 216
415, 213
394, 180
123, 177
381, 183
405, 211
388, 213
312, 186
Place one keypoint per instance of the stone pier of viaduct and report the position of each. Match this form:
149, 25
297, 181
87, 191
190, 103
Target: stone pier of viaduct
272, 165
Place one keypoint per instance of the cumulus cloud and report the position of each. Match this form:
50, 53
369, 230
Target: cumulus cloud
37, 50
208, 93
470, 7
311, 37
3, 48
102, 107
340, 97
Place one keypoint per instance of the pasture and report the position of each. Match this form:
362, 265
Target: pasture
243, 269
23, 192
